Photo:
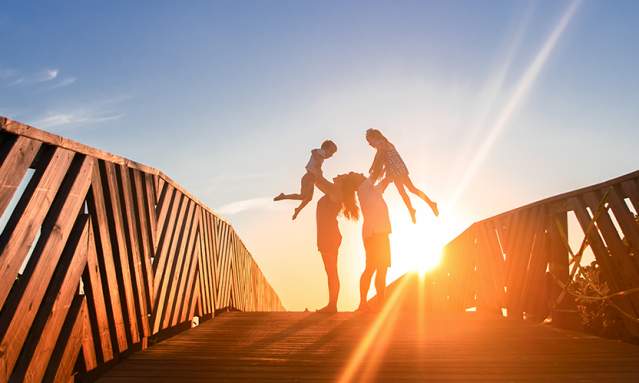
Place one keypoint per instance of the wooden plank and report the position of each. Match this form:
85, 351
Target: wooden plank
68, 276
187, 269
69, 345
212, 268
625, 218
195, 297
558, 254
206, 270
14, 167
163, 275
131, 233
534, 292
618, 251
178, 264
165, 239
573, 193
179, 316
166, 214
144, 236
20, 129
203, 257
96, 298
46, 254
490, 268
307, 347
106, 258
609, 268
148, 193
119, 245
520, 258
19, 234
631, 189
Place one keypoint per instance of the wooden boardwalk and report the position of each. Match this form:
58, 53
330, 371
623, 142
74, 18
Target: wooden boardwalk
330, 347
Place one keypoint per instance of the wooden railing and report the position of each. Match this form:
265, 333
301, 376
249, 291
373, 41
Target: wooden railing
101, 256
520, 260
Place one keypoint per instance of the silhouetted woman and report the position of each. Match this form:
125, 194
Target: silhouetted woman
339, 196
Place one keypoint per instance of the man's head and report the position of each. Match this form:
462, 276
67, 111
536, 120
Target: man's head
329, 148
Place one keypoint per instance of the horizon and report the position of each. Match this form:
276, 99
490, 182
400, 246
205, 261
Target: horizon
508, 110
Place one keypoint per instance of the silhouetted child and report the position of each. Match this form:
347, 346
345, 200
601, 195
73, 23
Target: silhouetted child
313, 168
387, 160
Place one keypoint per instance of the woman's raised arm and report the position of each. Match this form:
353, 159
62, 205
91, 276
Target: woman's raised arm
327, 187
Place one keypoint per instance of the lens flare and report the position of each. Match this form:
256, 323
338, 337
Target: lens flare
522, 88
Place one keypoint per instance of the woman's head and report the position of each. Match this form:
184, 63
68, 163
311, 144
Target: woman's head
375, 137
348, 184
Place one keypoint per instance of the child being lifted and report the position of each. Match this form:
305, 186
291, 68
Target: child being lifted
313, 168
388, 161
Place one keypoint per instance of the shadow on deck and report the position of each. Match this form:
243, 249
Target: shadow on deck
312, 347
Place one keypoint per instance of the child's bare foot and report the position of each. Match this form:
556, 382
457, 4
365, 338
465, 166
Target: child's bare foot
413, 217
433, 206
297, 211
279, 197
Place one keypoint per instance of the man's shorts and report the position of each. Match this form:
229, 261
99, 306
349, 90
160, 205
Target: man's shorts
377, 251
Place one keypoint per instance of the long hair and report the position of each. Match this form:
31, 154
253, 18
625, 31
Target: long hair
376, 135
348, 184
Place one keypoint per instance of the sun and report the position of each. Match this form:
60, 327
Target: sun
418, 247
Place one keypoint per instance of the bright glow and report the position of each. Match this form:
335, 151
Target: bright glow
418, 247
524, 84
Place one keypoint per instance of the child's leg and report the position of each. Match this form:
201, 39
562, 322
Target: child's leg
406, 198
413, 189
306, 192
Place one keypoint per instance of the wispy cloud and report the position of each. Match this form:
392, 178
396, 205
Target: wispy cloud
46, 75
64, 119
7, 73
247, 204
62, 83
18, 78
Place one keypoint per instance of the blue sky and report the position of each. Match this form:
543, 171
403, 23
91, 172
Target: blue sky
229, 98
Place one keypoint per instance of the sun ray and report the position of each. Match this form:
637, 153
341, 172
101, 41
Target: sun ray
372, 337
522, 88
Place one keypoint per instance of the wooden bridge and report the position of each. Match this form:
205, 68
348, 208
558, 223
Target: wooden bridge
105, 262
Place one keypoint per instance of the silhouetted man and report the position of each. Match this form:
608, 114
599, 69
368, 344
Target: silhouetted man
375, 231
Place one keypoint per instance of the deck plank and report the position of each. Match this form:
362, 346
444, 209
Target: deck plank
317, 347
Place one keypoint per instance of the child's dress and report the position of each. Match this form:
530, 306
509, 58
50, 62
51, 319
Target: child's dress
393, 164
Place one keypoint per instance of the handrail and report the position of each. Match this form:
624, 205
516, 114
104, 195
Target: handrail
102, 256
509, 261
